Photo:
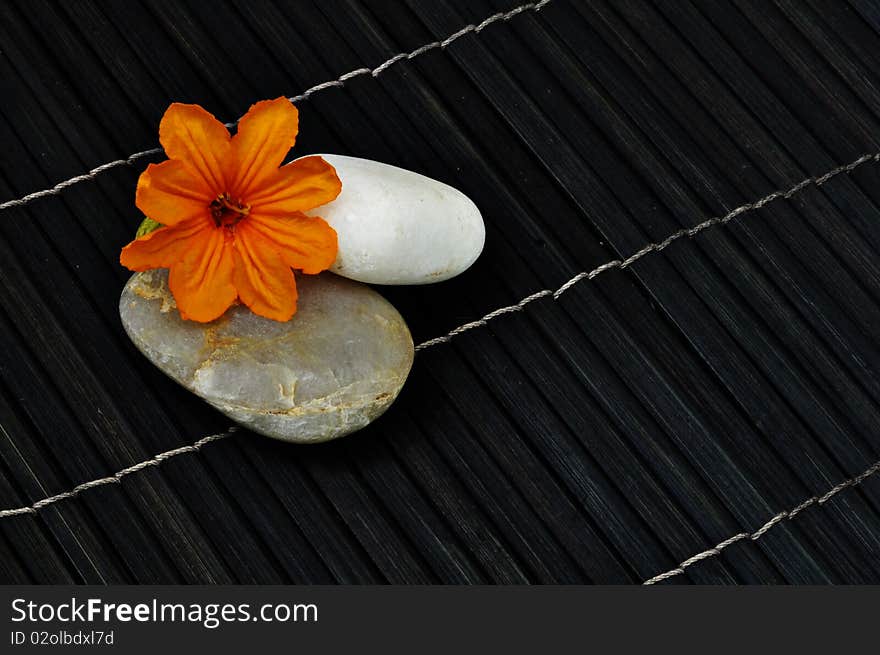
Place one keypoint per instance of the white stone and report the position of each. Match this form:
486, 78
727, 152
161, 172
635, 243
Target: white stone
399, 227
330, 370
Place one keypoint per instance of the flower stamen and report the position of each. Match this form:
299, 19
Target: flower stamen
228, 212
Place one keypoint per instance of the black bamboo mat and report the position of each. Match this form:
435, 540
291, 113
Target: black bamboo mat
694, 396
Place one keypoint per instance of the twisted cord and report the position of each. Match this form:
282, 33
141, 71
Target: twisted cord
760, 532
689, 232
117, 477
338, 82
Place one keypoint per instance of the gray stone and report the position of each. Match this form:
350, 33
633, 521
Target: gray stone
332, 369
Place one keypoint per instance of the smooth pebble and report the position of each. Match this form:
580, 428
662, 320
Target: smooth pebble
399, 227
332, 369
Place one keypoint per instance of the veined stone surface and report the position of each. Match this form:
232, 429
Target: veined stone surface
332, 369
399, 227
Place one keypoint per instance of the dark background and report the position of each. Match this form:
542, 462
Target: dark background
644, 417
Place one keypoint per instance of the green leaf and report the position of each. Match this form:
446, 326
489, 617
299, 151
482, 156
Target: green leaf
148, 225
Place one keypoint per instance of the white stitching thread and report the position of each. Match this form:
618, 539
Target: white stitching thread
654, 247
760, 532
58, 188
116, 477
651, 247
338, 82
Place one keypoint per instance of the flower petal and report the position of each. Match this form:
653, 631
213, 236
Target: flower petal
265, 135
264, 282
299, 186
172, 192
191, 134
201, 282
304, 242
164, 247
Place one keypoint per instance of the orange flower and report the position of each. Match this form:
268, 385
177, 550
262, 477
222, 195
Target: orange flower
233, 220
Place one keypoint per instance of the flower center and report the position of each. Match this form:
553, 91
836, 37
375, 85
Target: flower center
226, 211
